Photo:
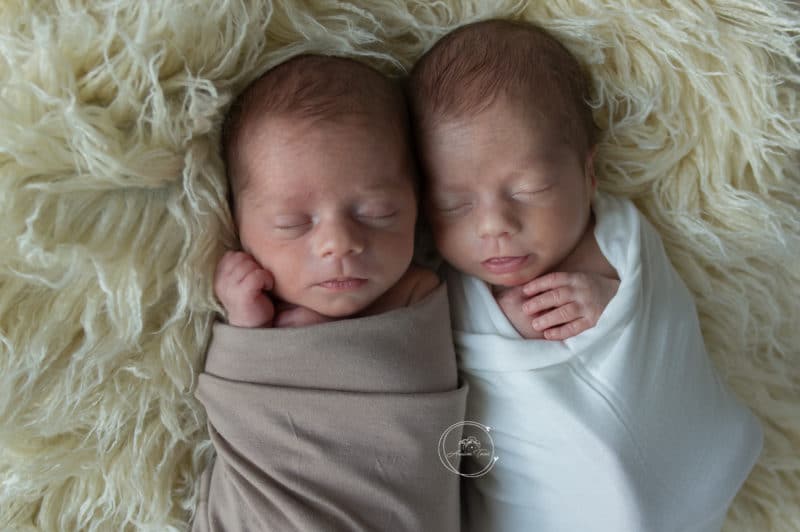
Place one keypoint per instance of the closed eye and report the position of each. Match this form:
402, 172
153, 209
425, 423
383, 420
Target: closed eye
452, 210
523, 194
294, 226
289, 223
378, 219
377, 215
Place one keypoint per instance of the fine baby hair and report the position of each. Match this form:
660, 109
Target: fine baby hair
465, 71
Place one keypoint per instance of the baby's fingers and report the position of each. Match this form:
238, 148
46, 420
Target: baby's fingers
225, 264
563, 314
550, 299
568, 330
256, 280
234, 265
550, 281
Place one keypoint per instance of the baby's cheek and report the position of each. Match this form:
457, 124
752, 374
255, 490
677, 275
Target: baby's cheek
454, 246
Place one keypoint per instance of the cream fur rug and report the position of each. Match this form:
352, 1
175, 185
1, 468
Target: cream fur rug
113, 215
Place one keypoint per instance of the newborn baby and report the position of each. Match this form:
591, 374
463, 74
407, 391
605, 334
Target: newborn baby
324, 196
328, 388
624, 427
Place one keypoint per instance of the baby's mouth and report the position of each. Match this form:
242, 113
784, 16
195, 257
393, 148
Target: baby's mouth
504, 264
343, 283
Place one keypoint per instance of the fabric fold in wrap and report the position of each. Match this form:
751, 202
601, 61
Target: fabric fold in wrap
334, 426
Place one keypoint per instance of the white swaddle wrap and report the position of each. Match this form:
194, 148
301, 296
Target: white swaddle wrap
625, 427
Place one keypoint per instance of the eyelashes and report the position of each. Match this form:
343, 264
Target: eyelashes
288, 223
292, 227
378, 221
448, 209
380, 218
451, 210
524, 194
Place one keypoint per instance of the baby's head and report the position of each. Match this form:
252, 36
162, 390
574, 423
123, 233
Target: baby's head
323, 181
506, 141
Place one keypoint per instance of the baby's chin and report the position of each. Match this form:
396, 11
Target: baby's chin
510, 280
339, 307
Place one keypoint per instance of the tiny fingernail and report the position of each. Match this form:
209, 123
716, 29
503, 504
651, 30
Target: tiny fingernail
537, 324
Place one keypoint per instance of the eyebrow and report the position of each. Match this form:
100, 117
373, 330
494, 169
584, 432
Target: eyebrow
542, 158
263, 198
380, 187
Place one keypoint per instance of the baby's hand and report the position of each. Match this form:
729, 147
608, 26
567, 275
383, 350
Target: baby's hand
239, 283
577, 300
511, 301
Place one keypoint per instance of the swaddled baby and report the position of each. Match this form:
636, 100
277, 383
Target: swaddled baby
624, 427
334, 376
323, 190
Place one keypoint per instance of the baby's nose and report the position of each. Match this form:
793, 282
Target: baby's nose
497, 221
338, 238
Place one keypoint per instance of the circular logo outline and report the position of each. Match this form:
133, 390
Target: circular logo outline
442, 451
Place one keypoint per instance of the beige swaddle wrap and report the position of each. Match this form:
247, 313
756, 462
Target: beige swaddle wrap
333, 426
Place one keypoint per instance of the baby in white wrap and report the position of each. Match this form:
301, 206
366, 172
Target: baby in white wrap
624, 427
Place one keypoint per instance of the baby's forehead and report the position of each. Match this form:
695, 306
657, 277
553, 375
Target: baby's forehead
289, 159
537, 130
294, 194
293, 128
276, 138
532, 170
472, 153
297, 189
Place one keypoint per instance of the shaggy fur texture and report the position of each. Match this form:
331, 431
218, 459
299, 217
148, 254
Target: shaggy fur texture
114, 214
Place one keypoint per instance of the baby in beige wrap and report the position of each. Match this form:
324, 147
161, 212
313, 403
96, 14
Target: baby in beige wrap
332, 426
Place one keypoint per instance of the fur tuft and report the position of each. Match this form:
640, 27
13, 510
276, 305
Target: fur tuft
114, 214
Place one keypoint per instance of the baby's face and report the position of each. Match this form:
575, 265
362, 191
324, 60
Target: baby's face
507, 202
329, 210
